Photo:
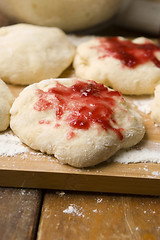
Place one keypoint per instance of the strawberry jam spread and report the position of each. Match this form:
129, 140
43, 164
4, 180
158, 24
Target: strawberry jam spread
129, 53
84, 103
44, 122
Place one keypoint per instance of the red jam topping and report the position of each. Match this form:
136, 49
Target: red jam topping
70, 135
44, 122
84, 103
57, 125
129, 53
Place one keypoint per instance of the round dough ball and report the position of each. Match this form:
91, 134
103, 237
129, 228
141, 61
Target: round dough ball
155, 109
122, 67
6, 100
30, 53
69, 15
81, 122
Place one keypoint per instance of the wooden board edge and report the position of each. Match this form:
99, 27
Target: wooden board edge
75, 182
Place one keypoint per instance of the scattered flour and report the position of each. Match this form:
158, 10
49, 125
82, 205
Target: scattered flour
60, 193
99, 200
144, 104
95, 210
156, 173
10, 145
134, 156
74, 210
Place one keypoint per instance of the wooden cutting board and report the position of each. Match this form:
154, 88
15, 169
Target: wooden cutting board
43, 171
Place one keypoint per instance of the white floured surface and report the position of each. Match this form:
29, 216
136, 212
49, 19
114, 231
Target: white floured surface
145, 151
156, 173
134, 156
144, 103
10, 145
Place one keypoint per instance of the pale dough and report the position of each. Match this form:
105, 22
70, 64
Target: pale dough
6, 100
68, 15
155, 109
41, 129
30, 53
90, 64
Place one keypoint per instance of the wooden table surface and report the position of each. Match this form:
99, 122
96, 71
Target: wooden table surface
46, 215
64, 215
57, 215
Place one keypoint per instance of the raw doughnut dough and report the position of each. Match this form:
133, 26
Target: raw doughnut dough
155, 109
6, 100
94, 61
30, 53
81, 122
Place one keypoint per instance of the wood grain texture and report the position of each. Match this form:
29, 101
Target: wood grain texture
98, 216
19, 210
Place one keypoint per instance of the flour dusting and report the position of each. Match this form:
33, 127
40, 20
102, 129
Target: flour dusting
10, 145
144, 103
142, 152
60, 193
74, 210
99, 200
95, 210
134, 156
156, 173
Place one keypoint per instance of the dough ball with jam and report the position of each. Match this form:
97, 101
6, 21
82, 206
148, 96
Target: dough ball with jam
131, 67
81, 122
